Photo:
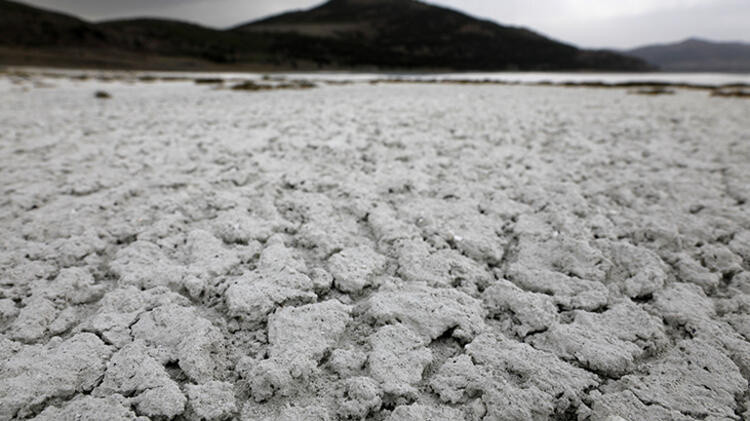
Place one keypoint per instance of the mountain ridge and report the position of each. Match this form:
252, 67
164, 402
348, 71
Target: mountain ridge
697, 54
336, 35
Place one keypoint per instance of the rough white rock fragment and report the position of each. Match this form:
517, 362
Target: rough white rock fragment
253, 298
300, 337
59, 369
636, 272
692, 378
346, 362
212, 401
456, 379
571, 272
278, 281
321, 279
65, 320
388, 228
358, 397
194, 286
129, 299
8, 309
88, 408
33, 320
502, 400
529, 312
520, 381
567, 292
418, 262
608, 343
687, 308
353, 269
680, 302
133, 372
143, 264
265, 378
76, 285
113, 327
208, 256
120, 308
180, 334
417, 412
240, 226
740, 244
741, 281
167, 226
615, 418
627, 405
571, 257
740, 323
460, 225
429, 312
689, 270
397, 359
297, 413
71, 251
719, 258
324, 228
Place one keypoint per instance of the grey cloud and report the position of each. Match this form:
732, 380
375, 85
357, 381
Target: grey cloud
216, 13
726, 21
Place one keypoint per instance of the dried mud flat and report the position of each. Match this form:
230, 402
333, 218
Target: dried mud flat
392, 252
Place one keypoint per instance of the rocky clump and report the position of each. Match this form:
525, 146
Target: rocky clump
34, 374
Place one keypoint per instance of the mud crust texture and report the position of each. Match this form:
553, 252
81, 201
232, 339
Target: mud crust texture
386, 253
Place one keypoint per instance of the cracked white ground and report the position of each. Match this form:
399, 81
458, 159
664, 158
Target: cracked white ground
379, 252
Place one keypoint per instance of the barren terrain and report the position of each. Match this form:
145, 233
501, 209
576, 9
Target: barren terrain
386, 252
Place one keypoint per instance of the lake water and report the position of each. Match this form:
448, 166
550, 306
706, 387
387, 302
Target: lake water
611, 78
711, 79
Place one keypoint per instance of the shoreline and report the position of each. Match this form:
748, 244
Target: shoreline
565, 79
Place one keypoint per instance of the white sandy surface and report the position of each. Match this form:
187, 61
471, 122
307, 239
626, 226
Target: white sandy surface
380, 252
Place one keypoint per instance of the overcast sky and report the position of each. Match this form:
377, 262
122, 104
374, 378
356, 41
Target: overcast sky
587, 23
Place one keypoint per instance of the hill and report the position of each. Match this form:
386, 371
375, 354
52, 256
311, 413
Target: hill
697, 55
409, 33
340, 34
32, 36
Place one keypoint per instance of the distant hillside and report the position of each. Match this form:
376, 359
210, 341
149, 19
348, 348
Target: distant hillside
697, 55
32, 36
409, 33
340, 34
160, 37
26, 26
